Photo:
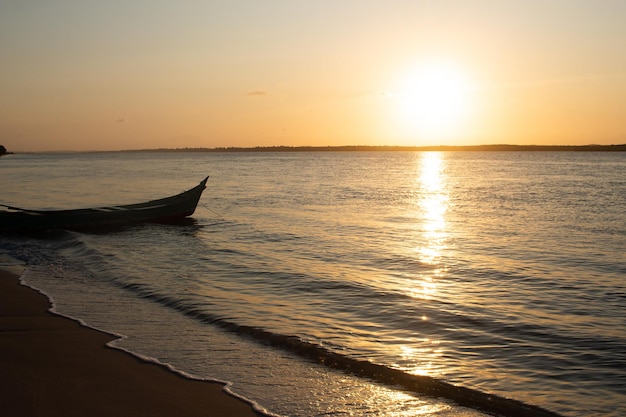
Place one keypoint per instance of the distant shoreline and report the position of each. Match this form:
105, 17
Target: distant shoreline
365, 148
441, 148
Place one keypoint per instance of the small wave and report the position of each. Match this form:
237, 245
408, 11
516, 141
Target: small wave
419, 384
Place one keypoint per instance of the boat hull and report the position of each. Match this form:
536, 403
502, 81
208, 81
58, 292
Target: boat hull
169, 209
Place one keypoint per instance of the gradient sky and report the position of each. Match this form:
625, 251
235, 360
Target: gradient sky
133, 74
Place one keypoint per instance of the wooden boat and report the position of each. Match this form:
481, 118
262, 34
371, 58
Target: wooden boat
168, 209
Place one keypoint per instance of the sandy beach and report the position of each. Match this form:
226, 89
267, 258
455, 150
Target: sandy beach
52, 366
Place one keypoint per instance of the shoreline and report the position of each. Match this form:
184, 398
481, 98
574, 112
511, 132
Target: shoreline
53, 366
364, 148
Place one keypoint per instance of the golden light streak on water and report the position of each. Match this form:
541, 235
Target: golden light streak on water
432, 206
433, 202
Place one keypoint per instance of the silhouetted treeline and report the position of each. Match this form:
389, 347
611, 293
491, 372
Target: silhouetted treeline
443, 148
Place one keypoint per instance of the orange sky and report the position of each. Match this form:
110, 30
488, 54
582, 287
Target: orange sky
83, 75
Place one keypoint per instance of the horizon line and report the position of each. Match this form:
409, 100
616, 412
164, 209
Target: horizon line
360, 148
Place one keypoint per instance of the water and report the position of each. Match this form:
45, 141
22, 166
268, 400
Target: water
348, 283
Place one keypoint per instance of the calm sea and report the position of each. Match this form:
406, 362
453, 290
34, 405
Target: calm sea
353, 284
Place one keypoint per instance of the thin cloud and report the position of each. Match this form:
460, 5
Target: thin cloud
256, 93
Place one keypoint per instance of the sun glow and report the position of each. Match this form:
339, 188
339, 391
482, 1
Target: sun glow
432, 101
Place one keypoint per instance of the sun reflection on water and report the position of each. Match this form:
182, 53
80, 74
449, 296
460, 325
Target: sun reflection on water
433, 202
431, 205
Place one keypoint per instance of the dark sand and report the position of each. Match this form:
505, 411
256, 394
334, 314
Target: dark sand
52, 366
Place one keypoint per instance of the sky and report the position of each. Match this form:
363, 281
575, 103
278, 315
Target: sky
143, 74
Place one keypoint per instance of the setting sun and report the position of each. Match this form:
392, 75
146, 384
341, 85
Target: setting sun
433, 101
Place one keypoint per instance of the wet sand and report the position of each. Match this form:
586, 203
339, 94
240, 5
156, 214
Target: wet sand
54, 367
